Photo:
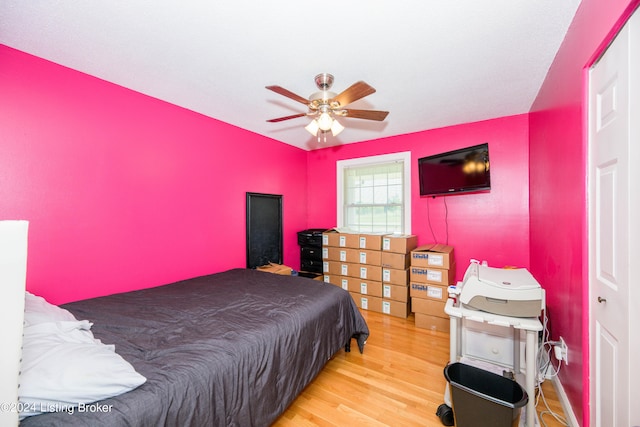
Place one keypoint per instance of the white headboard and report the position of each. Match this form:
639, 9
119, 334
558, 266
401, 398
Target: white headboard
13, 274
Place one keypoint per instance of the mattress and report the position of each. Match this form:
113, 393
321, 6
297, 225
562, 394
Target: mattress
229, 349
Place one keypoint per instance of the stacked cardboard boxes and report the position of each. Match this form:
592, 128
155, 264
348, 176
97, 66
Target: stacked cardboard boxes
396, 257
356, 262
432, 271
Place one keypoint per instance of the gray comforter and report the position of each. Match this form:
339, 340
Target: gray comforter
228, 349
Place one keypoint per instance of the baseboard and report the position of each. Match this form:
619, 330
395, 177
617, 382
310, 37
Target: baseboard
564, 401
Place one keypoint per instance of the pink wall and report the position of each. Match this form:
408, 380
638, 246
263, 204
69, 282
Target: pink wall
492, 226
558, 190
123, 191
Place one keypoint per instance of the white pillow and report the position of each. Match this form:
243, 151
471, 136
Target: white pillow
64, 366
38, 310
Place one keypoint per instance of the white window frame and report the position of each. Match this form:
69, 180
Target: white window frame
404, 157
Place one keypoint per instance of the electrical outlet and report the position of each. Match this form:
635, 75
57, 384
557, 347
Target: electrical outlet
562, 351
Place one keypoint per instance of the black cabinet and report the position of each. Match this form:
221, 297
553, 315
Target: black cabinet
310, 242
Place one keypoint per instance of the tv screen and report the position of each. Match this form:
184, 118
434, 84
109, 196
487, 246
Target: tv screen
463, 170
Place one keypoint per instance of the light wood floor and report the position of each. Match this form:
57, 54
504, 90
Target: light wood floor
398, 381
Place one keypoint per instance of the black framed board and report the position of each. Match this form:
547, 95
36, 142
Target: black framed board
264, 229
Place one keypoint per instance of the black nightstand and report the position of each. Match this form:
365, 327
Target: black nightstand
310, 242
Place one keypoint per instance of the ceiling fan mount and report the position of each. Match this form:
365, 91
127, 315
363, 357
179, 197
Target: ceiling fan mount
324, 81
326, 104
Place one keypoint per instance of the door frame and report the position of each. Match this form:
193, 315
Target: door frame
634, 212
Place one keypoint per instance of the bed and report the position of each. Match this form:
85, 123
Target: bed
229, 349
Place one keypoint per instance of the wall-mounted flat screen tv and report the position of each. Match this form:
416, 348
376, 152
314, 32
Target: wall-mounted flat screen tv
458, 171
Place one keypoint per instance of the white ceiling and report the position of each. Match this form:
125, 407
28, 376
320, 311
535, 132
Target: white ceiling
434, 63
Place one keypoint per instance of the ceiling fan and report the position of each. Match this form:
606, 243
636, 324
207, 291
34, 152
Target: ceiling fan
325, 106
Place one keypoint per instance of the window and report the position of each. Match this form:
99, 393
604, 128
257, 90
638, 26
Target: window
374, 193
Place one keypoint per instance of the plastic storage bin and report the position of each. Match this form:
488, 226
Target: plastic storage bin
483, 399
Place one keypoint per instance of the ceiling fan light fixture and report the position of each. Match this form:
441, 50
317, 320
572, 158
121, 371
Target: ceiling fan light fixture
313, 127
325, 121
336, 128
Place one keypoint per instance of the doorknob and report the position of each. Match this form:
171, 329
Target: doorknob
601, 300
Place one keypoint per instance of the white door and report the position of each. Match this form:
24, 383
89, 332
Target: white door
612, 207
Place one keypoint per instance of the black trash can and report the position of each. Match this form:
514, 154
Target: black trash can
483, 399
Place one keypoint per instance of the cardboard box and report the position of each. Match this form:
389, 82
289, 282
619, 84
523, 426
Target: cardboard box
331, 253
429, 291
395, 260
341, 239
429, 306
276, 268
370, 272
337, 268
434, 255
370, 257
354, 256
399, 243
395, 292
367, 302
339, 281
343, 282
395, 308
425, 321
365, 287
395, 277
436, 276
370, 241
361, 271
330, 238
330, 278
381, 305
359, 286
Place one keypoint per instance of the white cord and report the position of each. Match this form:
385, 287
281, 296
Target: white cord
544, 364
558, 418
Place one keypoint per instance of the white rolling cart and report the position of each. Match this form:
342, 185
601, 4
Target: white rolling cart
531, 327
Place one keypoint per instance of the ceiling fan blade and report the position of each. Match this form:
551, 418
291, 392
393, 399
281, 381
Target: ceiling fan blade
282, 91
366, 114
281, 119
354, 92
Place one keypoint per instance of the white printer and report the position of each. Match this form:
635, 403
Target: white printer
507, 292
